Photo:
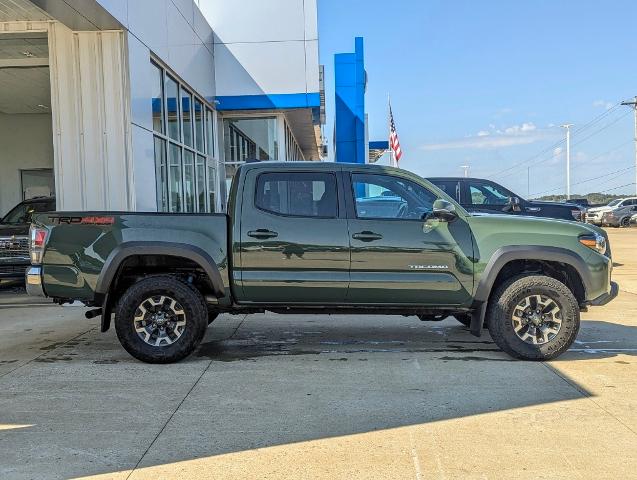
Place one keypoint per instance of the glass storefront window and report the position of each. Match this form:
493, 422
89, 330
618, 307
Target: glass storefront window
189, 181
201, 183
184, 129
175, 180
210, 132
251, 139
186, 106
172, 94
162, 174
199, 126
158, 99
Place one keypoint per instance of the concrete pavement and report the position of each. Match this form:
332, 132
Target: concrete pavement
271, 396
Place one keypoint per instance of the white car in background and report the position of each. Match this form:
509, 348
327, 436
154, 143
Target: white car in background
594, 215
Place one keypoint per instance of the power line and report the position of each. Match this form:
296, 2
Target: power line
594, 178
617, 188
603, 128
584, 127
558, 144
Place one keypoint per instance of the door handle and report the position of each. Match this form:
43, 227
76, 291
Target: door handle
262, 234
367, 236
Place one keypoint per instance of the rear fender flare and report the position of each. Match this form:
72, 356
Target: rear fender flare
505, 255
127, 250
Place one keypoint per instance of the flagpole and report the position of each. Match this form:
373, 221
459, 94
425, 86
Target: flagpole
392, 159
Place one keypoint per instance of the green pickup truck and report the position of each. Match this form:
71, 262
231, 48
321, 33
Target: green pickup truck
323, 238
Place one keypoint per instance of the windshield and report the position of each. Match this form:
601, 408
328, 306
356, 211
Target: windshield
614, 202
23, 213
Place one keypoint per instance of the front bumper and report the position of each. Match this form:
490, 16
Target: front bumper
606, 297
33, 281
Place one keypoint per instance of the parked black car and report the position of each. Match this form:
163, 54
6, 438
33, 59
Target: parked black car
14, 236
484, 196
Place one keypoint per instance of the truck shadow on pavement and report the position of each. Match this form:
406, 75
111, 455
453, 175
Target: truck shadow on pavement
265, 381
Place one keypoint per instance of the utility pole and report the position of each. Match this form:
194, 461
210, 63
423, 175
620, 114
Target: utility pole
466, 170
528, 182
568, 126
634, 105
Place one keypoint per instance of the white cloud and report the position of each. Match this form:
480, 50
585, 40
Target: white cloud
494, 138
603, 104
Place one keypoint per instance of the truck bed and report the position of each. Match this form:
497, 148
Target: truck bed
82, 245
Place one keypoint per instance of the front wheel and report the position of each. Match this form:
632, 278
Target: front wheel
161, 319
533, 317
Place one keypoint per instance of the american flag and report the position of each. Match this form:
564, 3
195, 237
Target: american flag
394, 143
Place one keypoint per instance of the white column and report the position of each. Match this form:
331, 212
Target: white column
90, 99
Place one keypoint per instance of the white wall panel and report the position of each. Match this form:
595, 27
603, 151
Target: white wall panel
258, 68
148, 21
255, 21
311, 19
117, 8
312, 65
91, 120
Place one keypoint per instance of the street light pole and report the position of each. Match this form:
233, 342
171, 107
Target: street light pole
634, 105
568, 126
466, 170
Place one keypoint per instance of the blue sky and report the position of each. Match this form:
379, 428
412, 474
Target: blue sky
487, 84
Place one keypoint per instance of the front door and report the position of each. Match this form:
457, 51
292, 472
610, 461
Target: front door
400, 255
294, 242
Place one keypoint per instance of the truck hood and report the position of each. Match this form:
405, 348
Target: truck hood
530, 226
11, 230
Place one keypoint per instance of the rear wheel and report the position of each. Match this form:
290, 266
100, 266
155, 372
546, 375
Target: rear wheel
625, 222
161, 319
533, 317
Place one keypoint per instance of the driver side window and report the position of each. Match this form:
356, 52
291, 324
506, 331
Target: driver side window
389, 197
487, 194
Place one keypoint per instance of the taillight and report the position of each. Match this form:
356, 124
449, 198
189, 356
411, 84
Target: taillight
36, 246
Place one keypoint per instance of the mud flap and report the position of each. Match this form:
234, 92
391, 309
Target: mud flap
477, 319
107, 310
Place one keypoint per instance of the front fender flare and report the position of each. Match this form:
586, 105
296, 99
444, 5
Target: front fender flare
505, 255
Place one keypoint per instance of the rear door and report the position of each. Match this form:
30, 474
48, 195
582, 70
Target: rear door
293, 238
399, 256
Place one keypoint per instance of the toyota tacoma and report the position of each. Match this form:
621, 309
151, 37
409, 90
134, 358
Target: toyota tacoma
321, 238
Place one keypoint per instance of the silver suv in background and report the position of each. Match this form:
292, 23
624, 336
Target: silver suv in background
595, 215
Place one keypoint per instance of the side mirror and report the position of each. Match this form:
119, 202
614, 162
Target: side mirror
513, 205
444, 210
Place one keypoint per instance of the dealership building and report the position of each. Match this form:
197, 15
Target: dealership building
151, 105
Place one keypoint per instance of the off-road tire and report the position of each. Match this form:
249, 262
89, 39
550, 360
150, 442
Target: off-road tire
513, 291
193, 304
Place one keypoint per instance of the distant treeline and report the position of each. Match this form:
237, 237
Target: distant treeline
593, 198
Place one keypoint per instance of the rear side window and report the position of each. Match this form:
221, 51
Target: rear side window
298, 194
450, 187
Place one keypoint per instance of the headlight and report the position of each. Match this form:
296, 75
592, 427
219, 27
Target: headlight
595, 241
